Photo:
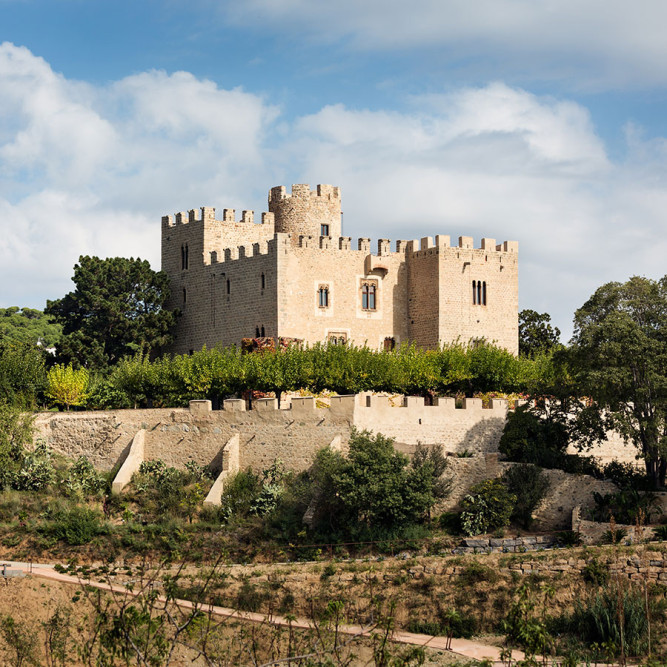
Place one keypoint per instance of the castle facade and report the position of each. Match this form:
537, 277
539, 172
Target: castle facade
293, 275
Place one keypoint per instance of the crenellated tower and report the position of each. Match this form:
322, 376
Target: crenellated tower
306, 212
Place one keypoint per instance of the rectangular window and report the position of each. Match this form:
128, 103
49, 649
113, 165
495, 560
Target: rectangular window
324, 230
323, 296
369, 295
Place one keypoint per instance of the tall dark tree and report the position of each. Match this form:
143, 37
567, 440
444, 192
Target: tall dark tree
115, 310
619, 353
536, 334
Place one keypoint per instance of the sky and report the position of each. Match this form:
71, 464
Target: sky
540, 121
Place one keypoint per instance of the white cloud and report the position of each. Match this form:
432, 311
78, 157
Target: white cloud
594, 43
90, 170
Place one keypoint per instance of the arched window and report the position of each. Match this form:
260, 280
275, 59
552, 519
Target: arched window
323, 296
479, 292
263, 334
474, 292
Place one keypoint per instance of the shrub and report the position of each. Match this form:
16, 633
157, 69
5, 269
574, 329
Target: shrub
77, 526
529, 484
239, 493
595, 572
487, 506
626, 506
603, 616
36, 471
475, 573
529, 437
82, 479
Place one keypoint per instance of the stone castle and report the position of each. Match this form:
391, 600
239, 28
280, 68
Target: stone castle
295, 276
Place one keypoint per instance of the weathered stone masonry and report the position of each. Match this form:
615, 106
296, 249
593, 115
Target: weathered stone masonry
236, 279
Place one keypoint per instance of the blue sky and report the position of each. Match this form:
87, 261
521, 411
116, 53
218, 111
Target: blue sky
541, 121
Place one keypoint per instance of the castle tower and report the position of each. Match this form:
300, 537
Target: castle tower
305, 212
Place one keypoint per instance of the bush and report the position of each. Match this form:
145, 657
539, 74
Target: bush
77, 526
626, 506
83, 480
530, 438
597, 619
487, 506
530, 485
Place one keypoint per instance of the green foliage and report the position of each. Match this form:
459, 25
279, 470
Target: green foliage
66, 386
536, 335
28, 325
476, 572
614, 616
271, 490
239, 494
22, 373
529, 485
450, 623
595, 572
20, 641
16, 431
523, 626
376, 489
620, 353
627, 506
487, 506
529, 437
82, 480
344, 369
116, 310
76, 525
36, 470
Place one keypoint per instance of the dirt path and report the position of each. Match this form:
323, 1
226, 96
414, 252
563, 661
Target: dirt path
463, 647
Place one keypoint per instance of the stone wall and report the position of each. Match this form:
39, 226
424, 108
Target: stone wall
177, 436
296, 433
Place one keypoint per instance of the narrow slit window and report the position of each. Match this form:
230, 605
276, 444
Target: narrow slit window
229, 286
184, 257
479, 292
484, 293
256, 332
185, 296
474, 292
263, 281
263, 334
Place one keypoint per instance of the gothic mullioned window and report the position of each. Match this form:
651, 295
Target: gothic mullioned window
369, 294
323, 296
337, 338
479, 292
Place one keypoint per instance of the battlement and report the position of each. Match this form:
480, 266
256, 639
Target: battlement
207, 213
383, 248
303, 191
249, 250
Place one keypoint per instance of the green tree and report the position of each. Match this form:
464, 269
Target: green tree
28, 325
116, 310
66, 385
375, 490
619, 353
22, 374
536, 334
